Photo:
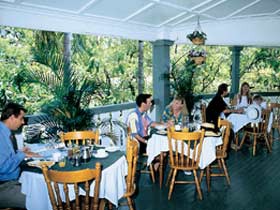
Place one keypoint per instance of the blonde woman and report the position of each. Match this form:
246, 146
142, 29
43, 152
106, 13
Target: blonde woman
244, 98
176, 112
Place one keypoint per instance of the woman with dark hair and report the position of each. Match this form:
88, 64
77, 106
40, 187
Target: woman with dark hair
244, 98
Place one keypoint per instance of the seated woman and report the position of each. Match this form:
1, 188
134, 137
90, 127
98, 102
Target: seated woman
176, 112
244, 98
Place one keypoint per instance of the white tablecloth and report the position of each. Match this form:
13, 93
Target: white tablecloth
238, 121
112, 186
159, 143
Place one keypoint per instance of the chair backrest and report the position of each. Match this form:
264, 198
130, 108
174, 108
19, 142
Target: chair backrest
185, 149
276, 114
68, 179
203, 113
80, 137
224, 126
132, 158
261, 127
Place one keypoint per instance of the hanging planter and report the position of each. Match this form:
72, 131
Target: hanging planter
198, 56
198, 60
197, 37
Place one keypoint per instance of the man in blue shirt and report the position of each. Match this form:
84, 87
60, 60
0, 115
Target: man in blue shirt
12, 118
138, 121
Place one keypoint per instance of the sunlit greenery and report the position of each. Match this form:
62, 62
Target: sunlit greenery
111, 65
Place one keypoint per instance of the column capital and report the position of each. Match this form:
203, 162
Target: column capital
236, 49
163, 42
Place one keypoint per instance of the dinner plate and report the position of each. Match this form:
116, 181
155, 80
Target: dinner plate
211, 133
162, 132
112, 149
101, 155
252, 112
39, 164
160, 127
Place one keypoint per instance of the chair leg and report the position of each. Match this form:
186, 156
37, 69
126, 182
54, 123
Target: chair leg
161, 170
171, 187
236, 138
267, 143
201, 175
208, 177
254, 145
197, 183
169, 177
130, 203
152, 173
225, 171
102, 204
242, 141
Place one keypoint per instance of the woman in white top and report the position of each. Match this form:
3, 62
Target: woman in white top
244, 98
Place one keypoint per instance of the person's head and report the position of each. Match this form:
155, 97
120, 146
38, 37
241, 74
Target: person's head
245, 89
13, 115
257, 99
223, 90
144, 101
179, 104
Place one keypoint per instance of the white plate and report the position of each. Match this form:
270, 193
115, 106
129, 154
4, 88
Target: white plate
162, 132
252, 112
112, 149
160, 127
101, 156
39, 164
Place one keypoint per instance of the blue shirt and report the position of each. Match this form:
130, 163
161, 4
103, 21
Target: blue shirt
138, 122
9, 159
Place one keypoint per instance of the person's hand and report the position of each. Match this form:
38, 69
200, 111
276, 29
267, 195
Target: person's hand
169, 123
25, 149
30, 154
239, 111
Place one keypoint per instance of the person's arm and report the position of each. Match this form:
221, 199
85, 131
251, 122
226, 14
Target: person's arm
139, 138
234, 100
9, 161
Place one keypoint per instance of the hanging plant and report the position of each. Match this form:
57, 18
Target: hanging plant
197, 37
198, 56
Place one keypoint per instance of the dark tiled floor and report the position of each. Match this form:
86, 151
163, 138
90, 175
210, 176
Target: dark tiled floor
255, 185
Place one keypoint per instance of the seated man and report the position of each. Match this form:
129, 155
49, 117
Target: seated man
139, 122
10, 158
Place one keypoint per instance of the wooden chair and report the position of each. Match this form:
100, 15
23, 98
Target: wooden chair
144, 164
66, 178
132, 158
80, 137
275, 107
258, 131
184, 154
221, 154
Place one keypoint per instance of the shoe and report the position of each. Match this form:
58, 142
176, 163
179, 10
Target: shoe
188, 173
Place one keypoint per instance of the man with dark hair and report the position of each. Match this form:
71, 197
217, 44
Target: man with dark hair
218, 106
139, 122
12, 118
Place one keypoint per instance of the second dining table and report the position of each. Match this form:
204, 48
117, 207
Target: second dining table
112, 184
158, 144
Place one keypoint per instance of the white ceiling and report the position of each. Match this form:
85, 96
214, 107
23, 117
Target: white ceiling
226, 22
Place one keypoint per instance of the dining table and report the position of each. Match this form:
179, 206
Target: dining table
158, 145
112, 184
